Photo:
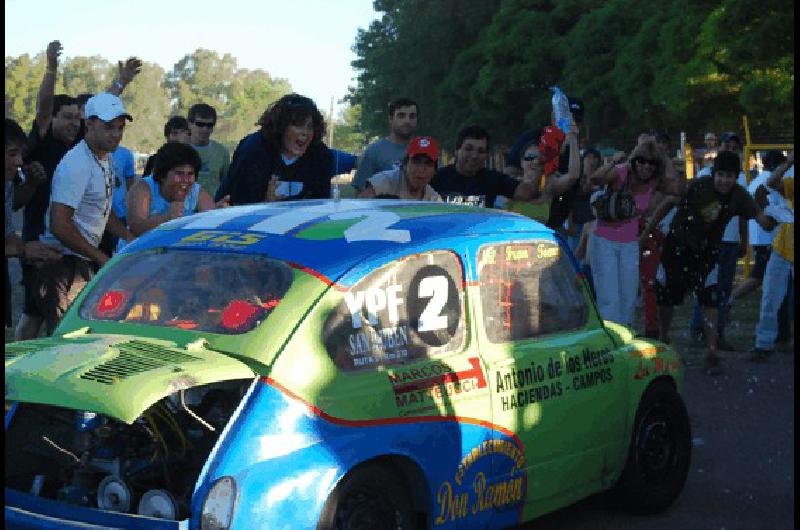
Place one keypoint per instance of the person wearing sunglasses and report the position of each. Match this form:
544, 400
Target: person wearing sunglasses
285, 160
614, 245
540, 167
215, 156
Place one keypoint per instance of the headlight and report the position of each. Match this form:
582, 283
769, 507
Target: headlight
218, 506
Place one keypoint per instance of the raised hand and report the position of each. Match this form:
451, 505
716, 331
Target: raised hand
53, 51
129, 69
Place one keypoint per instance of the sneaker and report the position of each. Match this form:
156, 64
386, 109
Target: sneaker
724, 345
760, 355
712, 364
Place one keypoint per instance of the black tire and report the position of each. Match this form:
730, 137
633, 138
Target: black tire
659, 454
371, 497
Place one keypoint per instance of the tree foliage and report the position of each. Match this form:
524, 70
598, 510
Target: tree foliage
239, 95
681, 65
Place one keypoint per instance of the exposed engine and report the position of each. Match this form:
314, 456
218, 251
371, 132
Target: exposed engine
148, 468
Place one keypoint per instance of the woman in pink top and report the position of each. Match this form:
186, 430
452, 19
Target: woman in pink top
614, 246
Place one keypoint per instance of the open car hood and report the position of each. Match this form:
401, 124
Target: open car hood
116, 375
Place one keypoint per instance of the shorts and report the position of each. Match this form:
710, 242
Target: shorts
57, 285
686, 270
761, 257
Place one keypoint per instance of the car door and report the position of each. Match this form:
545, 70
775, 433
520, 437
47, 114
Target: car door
553, 374
407, 362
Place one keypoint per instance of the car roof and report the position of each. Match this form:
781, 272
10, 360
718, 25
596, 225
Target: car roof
330, 237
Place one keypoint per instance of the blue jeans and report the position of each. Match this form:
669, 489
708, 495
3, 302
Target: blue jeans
773, 291
728, 256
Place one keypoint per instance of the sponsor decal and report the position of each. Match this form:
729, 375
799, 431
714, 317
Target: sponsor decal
474, 489
539, 382
220, 239
429, 384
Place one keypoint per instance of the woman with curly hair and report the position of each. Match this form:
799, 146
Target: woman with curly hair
614, 245
285, 160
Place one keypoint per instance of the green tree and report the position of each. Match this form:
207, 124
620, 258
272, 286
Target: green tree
682, 65
23, 77
82, 75
148, 102
251, 92
347, 134
408, 51
202, 77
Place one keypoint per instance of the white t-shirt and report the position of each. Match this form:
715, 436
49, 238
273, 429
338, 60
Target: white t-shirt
731, 233
85, 183
392, 182
757, 235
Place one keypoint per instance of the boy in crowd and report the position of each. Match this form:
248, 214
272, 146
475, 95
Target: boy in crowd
215, 156
691, 246
412, 179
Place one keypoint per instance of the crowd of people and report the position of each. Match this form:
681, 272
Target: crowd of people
640, 230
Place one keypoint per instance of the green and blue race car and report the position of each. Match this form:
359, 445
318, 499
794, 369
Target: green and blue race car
338, 364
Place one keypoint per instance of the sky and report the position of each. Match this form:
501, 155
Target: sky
307, 42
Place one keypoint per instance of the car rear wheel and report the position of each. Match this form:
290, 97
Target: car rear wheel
371, 497
659, 454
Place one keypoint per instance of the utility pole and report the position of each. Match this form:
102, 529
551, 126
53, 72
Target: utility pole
331, 125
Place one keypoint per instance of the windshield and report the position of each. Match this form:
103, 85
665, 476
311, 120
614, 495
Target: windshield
203, 291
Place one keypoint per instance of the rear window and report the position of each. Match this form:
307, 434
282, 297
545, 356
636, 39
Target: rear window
408, 310
213, 292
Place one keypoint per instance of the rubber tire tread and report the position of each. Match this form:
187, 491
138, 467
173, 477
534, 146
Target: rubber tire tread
632, 493
375, 478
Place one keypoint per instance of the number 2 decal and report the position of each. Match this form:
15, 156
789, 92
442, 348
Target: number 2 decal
435, 288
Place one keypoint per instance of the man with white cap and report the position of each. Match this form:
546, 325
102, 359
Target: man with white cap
80, 209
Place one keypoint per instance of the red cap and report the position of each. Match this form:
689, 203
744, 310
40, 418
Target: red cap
423, 145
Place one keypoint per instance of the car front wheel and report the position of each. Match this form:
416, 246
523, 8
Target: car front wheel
659, 454
371, 497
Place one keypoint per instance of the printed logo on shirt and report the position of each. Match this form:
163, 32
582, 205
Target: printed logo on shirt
466, 200
711, 212
289, 188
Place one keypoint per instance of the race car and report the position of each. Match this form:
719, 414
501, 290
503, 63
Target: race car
338, 364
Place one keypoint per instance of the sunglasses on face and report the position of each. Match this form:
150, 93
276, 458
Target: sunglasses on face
530, 158
643, 161
206, 124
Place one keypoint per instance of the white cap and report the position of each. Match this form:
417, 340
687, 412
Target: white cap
106, 107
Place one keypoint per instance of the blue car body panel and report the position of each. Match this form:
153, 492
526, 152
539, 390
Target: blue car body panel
287, 456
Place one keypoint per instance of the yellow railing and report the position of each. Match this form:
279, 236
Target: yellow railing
750, 148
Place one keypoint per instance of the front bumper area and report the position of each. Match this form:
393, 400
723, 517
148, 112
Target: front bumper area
25, 511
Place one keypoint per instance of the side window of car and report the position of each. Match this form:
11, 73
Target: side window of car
410, 309
529, 289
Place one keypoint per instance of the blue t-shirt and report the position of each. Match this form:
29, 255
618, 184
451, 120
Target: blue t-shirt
160, 205
342, 162
124, 169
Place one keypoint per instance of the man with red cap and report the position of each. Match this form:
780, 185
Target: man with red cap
412, 179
